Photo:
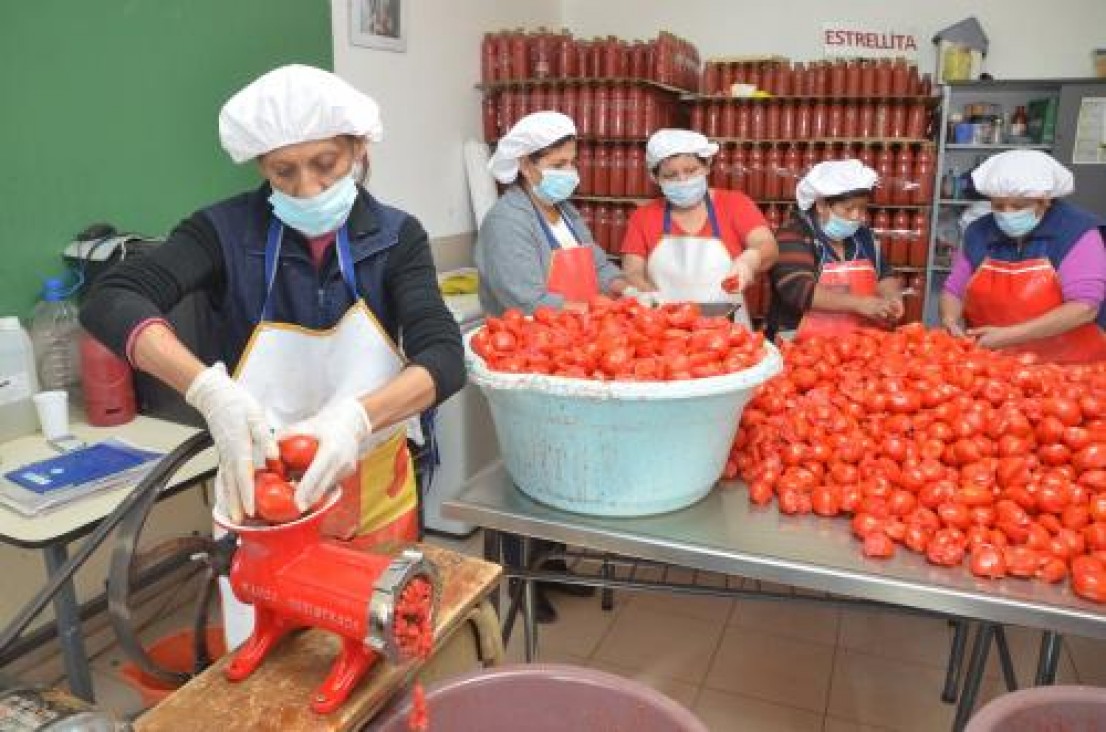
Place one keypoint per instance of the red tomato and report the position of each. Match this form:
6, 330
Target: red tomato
826, 501
1088, 579
274, 498
1091, 457
988, 561
946, 547
1065, 410
1052, 570
297, 451
878, 544
1021, 561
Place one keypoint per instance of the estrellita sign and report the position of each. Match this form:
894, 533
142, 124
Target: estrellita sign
856, 40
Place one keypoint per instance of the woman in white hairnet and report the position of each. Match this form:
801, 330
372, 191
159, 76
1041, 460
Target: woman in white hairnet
685, 244
1031, 275
313, 282
830, 278
533, 247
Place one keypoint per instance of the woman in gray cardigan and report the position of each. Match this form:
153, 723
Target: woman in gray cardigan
534, 249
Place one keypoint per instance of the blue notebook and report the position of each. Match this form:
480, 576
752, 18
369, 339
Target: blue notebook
88, 466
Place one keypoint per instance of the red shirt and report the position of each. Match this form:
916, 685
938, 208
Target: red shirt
736, 212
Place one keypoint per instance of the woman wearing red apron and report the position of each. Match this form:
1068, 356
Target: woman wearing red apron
313, 283
533, 248
1031, 276
684, 245
830, 278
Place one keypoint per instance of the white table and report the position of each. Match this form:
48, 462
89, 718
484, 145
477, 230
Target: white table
53, 531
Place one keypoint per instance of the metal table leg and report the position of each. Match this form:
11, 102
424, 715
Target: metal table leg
1004, 659
981, 648
1049, 659
493, 552
70, 634
956, 660
607, 594
529, 625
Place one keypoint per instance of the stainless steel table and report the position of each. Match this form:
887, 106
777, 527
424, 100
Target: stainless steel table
725, 533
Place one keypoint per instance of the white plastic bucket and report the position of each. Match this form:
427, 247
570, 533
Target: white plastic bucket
617, 448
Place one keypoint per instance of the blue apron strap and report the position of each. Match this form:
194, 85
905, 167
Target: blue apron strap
272, 261
345, 262
712, 216
549, 236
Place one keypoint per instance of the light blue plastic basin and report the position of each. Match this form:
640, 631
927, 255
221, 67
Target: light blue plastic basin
617, 448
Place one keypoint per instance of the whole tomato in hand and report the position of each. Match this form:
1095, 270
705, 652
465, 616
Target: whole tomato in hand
275, 498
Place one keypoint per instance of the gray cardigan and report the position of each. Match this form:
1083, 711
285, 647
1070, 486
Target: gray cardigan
513, 255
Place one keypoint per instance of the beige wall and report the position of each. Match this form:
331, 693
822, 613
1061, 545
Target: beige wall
1029, 38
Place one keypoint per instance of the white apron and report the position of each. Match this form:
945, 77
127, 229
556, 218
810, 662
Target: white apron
293, 372
691, 268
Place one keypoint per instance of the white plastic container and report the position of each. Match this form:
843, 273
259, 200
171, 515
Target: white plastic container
18, 381
608, 448
55, 333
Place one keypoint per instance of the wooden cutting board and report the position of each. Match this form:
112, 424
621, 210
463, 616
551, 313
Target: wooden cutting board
277, 695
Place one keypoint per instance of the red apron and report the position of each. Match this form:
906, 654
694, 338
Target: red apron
1007, 293
572, 272
855, 277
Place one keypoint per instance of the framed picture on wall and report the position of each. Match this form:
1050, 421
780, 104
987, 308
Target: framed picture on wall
379, 24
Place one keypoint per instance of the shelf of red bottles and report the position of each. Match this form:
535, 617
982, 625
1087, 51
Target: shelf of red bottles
787, 119
842, 78
509, 57
614, 110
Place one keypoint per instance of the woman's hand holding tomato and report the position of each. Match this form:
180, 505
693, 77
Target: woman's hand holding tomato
275, 486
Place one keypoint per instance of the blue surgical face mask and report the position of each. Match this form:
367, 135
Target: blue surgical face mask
1017, 224
838, 228
685, 193
320, 213
557, 185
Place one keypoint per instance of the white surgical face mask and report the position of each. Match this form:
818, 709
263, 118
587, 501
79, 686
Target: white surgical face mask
319, 214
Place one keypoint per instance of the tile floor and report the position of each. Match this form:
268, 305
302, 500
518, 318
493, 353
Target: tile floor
743, 665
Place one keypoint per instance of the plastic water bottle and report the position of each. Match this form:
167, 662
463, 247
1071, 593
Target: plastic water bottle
55, 333
18, 381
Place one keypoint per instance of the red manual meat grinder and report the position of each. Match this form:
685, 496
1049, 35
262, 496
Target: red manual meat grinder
296, 578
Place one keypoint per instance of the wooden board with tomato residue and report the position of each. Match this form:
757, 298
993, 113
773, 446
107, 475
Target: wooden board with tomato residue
276, 697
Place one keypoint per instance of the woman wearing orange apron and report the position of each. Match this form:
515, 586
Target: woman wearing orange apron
682, 246
1031, 275
313, 282
830, 278
533, 248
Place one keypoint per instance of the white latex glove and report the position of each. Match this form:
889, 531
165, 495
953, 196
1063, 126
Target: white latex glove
744, 269
648, 299
239, 430
343, 430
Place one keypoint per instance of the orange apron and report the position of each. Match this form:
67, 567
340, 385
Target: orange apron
856, 276
1007, 293
572, 272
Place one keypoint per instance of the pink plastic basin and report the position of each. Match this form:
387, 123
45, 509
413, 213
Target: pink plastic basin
1044, 709
544, 698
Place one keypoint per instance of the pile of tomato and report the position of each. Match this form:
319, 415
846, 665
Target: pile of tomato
618, 340
933, 444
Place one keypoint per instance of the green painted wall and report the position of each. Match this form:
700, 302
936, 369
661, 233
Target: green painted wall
108, 112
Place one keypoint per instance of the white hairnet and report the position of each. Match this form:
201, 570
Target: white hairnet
530, 134
295, 104
832, 178
666, 143
1022, 173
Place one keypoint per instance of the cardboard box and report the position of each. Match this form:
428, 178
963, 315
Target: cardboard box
1042, 120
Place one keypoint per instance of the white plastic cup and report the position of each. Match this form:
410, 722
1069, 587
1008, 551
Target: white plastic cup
53, 413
